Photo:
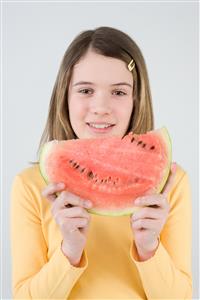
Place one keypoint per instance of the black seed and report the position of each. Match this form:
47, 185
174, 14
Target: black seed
152, 147
74, 164
105, 180
101, 180
143, 145
140, 142
82, 170
71, 161
90, 174
77, 167
133, 139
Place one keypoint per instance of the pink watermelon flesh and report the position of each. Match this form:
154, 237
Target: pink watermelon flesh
112, 171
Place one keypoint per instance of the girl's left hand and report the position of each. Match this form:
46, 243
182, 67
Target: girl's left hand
148, 222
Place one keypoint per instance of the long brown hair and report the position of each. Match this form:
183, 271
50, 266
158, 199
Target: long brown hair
110, 42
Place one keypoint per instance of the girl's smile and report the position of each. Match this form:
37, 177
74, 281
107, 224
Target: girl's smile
100, 127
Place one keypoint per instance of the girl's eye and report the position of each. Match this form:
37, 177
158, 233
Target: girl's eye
120, 93
85, 91
89, 92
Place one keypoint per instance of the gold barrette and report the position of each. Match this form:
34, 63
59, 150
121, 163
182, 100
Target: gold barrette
131, 65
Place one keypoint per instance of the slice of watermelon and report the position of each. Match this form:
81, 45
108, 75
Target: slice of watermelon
112, 171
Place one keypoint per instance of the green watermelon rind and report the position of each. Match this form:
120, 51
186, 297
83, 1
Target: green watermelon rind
124, 212
166, 137
43, 152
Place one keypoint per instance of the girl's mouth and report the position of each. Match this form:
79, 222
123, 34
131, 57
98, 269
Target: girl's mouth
100, 128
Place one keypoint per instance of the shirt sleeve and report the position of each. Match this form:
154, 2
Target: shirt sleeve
168, 273
33, 276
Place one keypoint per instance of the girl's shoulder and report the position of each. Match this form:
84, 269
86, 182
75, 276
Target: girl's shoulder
180, 173
30, 176
26, 190
30, 172
180, 189
179, 169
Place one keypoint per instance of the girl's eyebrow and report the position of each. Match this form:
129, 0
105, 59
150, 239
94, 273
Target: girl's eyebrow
114, 84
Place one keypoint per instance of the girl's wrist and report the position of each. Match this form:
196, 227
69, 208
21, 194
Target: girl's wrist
73, 259
144, 254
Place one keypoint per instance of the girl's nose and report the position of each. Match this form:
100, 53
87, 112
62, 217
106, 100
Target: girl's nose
100, 105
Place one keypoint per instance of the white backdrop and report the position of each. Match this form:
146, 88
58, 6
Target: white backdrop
35, 36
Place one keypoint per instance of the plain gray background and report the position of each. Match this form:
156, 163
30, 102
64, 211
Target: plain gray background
35, 37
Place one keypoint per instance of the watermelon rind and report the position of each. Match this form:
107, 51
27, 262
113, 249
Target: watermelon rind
42, 155
124, 212
166, 137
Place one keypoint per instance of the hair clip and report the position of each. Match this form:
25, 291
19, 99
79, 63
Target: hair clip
131, 65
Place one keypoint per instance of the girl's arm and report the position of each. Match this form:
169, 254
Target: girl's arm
33, 275
167, 274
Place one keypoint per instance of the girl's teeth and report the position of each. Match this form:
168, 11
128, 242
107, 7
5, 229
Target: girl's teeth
99, 125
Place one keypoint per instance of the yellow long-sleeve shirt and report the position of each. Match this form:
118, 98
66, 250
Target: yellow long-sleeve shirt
109, 267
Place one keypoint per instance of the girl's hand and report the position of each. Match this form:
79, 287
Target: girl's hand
148, 222
69, 212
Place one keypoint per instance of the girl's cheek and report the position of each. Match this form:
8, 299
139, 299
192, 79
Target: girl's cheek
78, 106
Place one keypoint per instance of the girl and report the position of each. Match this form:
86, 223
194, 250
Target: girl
61, 251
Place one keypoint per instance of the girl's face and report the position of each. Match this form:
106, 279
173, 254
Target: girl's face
100, 97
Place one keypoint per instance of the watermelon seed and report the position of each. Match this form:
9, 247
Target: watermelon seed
77, 167
82, 170
143, 145
133, 139
152, 147
90, 175
71, 161
140, 142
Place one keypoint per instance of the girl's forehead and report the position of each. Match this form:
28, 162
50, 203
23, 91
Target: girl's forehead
97, 66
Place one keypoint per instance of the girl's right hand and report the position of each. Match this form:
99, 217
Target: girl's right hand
69, 212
